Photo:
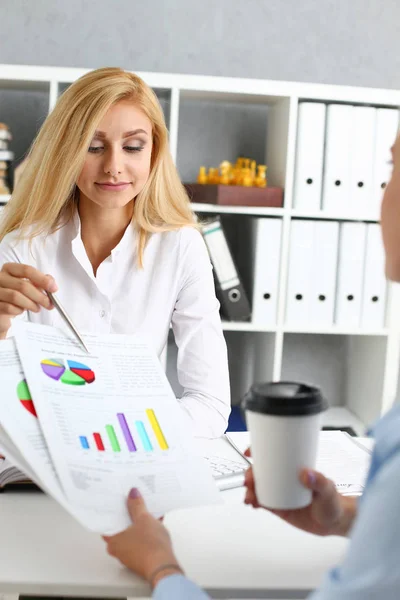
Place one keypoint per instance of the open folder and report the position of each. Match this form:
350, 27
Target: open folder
86, 428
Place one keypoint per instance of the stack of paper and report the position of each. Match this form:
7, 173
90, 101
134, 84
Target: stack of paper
344, 460
89, 427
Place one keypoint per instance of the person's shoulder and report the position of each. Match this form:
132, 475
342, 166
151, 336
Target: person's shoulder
12, 242
12, 238
191, 238
185, 248
387, 434
190, 233
184, 239
24, 247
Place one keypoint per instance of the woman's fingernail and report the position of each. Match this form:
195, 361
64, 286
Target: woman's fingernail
52, 286
134, 494
311, 477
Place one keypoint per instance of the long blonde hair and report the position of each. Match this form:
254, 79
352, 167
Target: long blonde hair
45, 197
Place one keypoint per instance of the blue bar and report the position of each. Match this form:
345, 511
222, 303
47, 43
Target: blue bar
143, 436
84, 442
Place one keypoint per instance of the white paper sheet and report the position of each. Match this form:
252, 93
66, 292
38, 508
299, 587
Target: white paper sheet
343, 460
22, 438
128, 382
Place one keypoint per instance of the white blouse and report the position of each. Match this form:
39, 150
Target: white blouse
174, 287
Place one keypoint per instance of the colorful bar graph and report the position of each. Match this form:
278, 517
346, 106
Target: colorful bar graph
127, 432
113, 438
98, 442
157, 429
84, 442
143, 436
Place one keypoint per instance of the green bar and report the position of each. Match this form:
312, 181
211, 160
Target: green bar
113, 438
217, 228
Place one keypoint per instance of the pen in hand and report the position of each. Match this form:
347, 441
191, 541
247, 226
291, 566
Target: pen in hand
57, 304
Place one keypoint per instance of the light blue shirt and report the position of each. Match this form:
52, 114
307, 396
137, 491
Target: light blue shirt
371, 567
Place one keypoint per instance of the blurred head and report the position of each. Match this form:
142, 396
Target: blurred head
390, 218
107, 128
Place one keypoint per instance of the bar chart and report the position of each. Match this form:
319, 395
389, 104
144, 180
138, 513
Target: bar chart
124, 435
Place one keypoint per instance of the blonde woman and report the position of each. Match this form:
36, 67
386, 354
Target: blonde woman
100, 216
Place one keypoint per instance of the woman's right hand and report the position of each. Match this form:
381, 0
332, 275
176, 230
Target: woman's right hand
22, 288
329, 513
145, 547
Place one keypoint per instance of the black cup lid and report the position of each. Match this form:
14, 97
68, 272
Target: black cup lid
284, 398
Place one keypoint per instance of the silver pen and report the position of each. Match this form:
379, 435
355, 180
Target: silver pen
232, 443
66, 318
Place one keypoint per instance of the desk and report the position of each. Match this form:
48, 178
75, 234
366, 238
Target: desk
231, 550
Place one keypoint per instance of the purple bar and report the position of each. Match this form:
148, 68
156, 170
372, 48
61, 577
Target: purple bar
126, 431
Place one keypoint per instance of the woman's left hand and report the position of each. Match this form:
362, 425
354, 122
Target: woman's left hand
145, 547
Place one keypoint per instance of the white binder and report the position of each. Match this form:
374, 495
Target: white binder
309, 156
324, 271
267, 234
374, 293
350, 274
336, 181
387, 122
300, 269
362, 160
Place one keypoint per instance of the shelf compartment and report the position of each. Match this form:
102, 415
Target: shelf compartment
211, 131
23, 108
349, 369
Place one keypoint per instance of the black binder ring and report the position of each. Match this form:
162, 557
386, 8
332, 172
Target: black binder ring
234, 295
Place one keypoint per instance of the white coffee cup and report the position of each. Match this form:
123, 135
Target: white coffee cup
284, 421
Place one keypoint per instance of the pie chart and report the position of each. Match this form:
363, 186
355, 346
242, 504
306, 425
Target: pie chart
69, 372
24, 397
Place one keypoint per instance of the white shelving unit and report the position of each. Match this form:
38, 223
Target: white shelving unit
357, 369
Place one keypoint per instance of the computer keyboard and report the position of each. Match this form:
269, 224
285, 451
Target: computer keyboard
227, 473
